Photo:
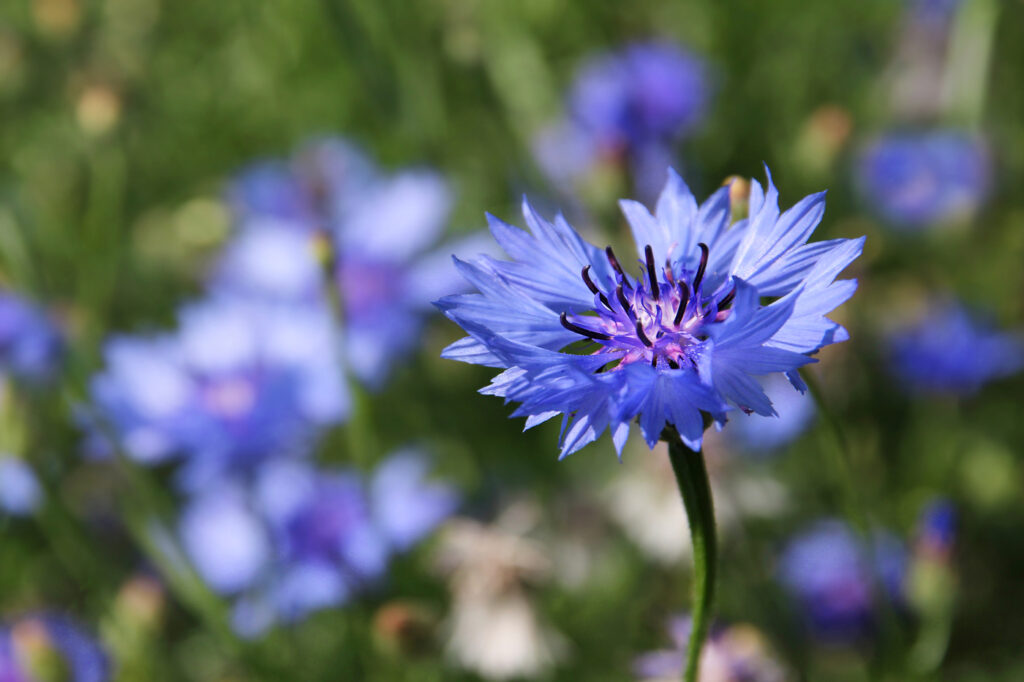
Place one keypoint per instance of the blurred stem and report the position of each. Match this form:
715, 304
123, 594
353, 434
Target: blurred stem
359, 430
841, 456
853, 506
968, 61
695, 489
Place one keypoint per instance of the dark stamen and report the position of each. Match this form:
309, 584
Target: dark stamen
614, 261
621, 295
727, 299
684, 292
702, 267
640, 334
672, 363
589, 333
649, 253
593, 287
654, 361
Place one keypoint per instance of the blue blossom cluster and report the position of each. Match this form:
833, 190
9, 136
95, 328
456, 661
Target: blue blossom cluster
46, 646
238, 382
321, 284
918, 179
837, 579
629, 105
714, 306
329, 219
298, 539
952, 350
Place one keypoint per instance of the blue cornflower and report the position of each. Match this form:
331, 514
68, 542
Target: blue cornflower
629, 105
734, 653
301, 539
31, 345
644, 93
918, 179
936, 529
20, 492
578, 335
32, 645
950, 350
835, 578
933, 13
237, 382
379, 229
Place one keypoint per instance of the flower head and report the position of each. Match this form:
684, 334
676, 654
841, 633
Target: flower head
49, 646
936, 529
20, 492
378, 229
31, 345
736, 653
235, 384
300, 539
646, 92
834, 578
917, 179
579, 334
626, 106
950, 350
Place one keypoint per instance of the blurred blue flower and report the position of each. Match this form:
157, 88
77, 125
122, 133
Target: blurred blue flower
918, 179
20, 493
224, 538
761, 435
952, 351
737, 653
238, 382
31, 345
934, 13
626, 105
303, 539
835, 577
29, 645
644, 93
580, 337
936, 529
379, 228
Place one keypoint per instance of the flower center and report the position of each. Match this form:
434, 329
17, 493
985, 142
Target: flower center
661, 322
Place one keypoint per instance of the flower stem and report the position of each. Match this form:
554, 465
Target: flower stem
692, 478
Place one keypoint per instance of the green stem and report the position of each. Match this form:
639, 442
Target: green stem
695, 488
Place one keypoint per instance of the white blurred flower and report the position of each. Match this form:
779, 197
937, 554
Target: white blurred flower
494, 628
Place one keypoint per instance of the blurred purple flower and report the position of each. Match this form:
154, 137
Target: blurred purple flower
31, 345
835, 578
579, 337
918, 179
237, 382
20, 493
936, 529
736, 653
379, 228
27, 644
225, 539
303, 539
646, 92
950, 350
626, 105
933, 13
